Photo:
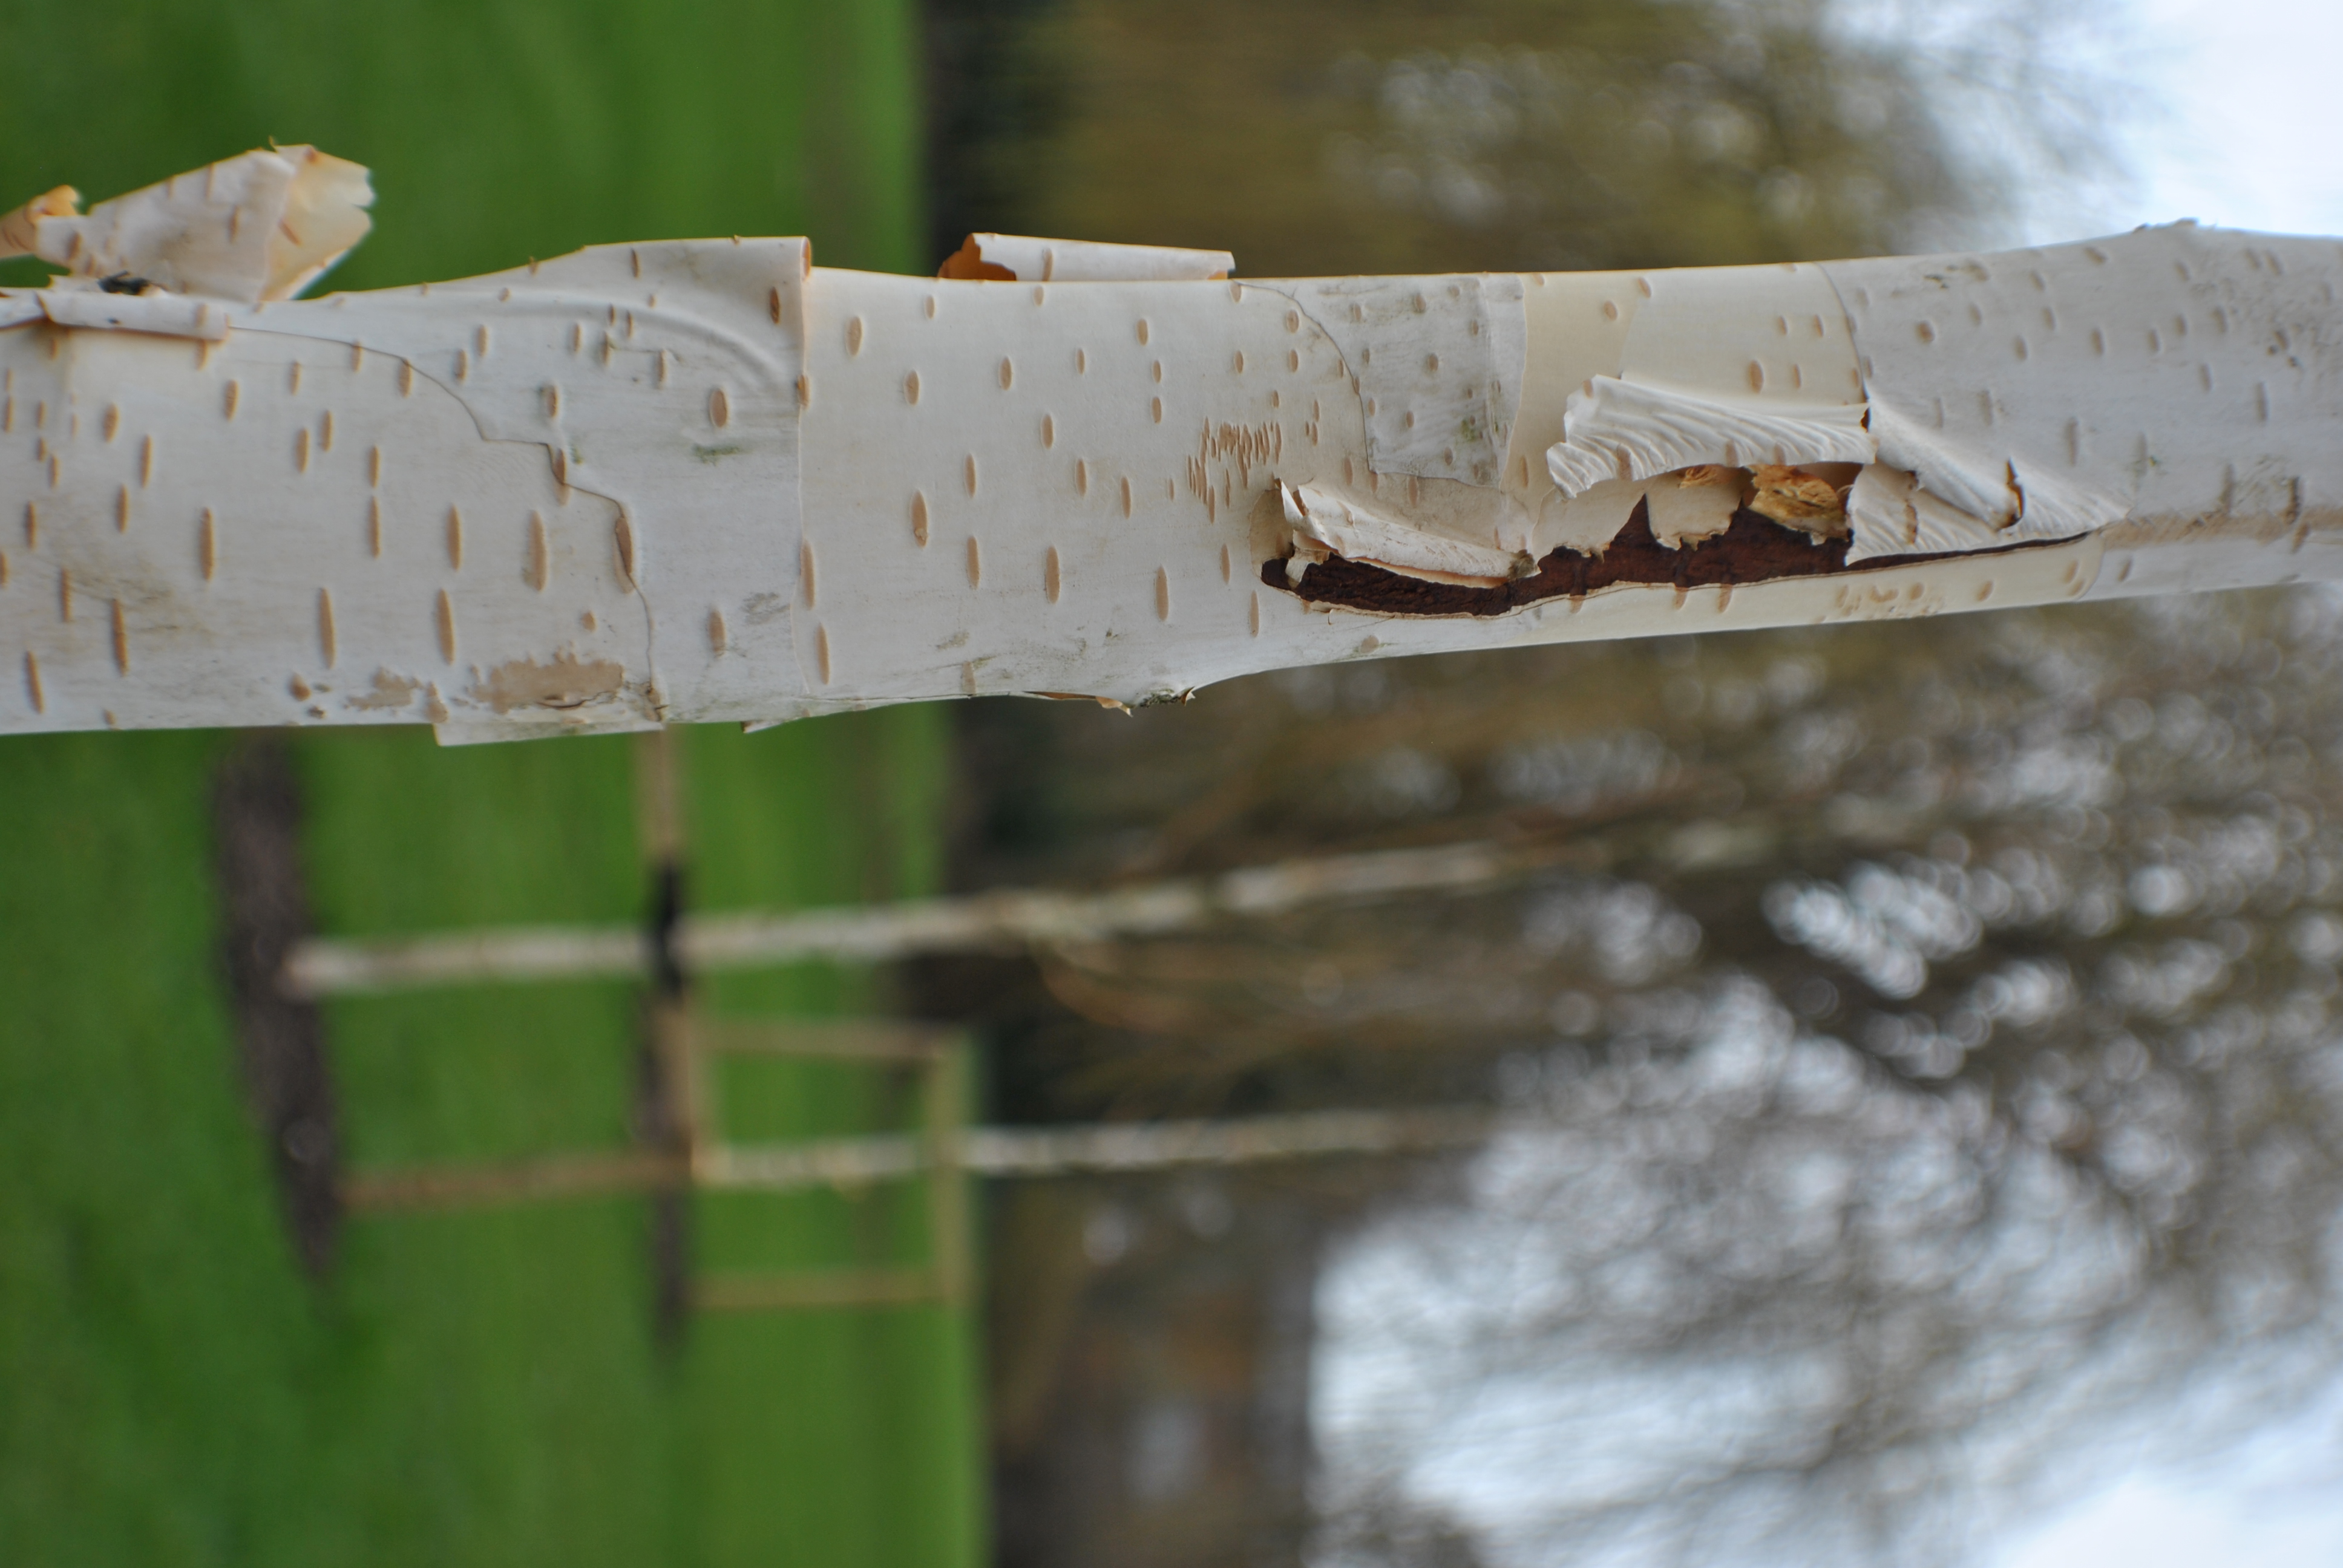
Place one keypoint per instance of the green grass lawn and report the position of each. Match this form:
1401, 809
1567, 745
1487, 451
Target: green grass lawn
484, 1387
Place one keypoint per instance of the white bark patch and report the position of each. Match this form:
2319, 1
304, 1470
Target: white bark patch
1138, 512
1438, 367
1777, 333
686, 418
239, 576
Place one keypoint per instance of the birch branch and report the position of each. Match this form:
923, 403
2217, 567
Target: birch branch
705, 480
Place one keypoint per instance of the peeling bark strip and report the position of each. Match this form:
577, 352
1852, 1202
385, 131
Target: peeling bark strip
588, 494
1751, 549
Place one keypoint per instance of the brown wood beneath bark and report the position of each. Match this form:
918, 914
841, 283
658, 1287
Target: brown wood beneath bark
1753, 549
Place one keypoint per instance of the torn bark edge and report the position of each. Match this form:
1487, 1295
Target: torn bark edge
20, 229
1751, 549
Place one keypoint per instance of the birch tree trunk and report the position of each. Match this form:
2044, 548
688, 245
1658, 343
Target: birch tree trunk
706, 480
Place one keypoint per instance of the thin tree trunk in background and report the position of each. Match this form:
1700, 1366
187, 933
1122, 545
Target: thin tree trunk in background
984, 922
256, 818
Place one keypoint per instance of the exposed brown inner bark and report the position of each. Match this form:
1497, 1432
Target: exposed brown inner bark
1753, 549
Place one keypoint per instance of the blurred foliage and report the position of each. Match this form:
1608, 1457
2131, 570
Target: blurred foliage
1402, 135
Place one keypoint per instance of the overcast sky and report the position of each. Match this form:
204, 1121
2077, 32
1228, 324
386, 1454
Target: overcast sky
2250, 129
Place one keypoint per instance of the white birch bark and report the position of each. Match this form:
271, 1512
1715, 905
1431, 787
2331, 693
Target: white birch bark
707, 481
